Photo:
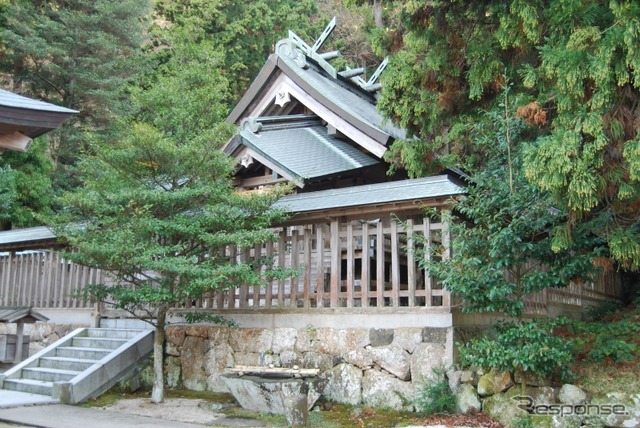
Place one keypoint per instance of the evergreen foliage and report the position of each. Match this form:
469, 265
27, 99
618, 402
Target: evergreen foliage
504, 247
158, 205
574, 65
434, 397
80, 54
530, 347
245, 32
31, 183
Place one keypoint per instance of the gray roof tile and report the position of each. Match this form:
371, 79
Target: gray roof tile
307, 152
372, 194
346, 98
9, 99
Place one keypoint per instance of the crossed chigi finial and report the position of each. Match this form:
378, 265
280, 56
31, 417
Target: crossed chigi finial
322, 59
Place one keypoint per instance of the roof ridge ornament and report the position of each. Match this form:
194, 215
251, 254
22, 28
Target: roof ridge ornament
298, 50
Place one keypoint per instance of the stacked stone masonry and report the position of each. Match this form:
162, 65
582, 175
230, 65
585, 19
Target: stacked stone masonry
374, 367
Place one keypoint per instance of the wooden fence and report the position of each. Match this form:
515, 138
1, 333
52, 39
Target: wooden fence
343, 265
605, 287
43, 279
340, 264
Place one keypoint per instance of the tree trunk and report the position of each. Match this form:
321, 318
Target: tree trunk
157, 393
377, 13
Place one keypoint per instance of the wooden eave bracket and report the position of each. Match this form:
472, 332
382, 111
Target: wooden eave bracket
15, 141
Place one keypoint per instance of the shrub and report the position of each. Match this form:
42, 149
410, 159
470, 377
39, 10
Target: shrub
435, 397
527, 346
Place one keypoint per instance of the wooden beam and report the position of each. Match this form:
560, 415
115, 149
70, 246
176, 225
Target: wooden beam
15, 141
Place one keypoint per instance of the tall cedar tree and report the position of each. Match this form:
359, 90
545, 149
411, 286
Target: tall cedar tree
502, 251
575, 67
158, 207
76, 53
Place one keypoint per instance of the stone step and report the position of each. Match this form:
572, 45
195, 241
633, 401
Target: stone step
28, 385
82, 353
65, 363
48, 374
112, 333
98, 342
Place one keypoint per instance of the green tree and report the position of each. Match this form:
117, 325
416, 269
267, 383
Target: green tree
504, 245
7, 192
158, 206
79, 54
574, 65
245, 31
31, 183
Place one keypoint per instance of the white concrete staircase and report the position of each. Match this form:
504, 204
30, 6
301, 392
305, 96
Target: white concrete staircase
81, 365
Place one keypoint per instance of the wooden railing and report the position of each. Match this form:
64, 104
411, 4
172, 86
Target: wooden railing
343, 265
340, 264
43, 279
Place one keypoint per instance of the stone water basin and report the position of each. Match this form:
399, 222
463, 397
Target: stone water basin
268, 393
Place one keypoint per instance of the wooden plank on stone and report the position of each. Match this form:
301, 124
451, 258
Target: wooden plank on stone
283, 371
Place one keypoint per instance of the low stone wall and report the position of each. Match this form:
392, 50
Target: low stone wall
373, 367
501, 396
42, 334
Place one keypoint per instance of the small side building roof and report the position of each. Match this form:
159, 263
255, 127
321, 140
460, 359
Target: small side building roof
28, 238
419, 189
22, 314
28, 116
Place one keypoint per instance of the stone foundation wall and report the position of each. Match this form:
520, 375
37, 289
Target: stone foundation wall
375, 367
42, 334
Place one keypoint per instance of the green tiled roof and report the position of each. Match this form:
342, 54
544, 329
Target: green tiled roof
371, 194
305, 151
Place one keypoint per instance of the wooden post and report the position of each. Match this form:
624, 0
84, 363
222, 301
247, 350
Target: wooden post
411, 264
295, 263
320, 265
307, 267
446, 243
282, 248
268, 294
366, 259
395, 266
379, 264
335, 261
427, 256
350, 265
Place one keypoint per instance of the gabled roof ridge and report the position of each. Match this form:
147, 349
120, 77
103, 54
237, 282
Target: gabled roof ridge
257, 124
